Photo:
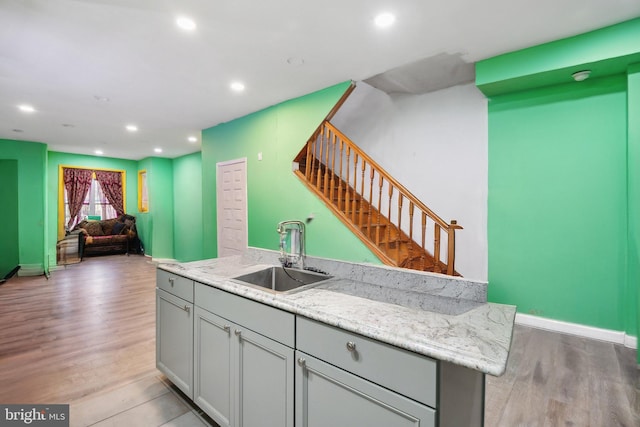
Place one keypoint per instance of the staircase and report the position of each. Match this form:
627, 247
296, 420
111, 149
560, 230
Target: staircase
391, 221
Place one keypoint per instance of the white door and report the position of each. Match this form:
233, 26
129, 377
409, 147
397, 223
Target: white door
232, 207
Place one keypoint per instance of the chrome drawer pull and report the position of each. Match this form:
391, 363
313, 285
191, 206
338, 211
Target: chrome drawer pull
351, 346
238, 332
302, 362
226, 328
171, 281
187, 308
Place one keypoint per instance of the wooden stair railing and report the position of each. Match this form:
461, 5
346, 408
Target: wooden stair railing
386, 216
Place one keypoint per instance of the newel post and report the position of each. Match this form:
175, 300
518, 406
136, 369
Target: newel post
451, 246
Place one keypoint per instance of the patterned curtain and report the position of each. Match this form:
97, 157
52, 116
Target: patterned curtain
77, 182
111, 183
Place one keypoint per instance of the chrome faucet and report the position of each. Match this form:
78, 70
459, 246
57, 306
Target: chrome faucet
291, 243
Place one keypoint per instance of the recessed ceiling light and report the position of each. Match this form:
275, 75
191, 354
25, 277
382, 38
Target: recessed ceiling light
384, 20
25, 108
132, 128
158, 150
185, 23
192, 139
101, 98
99, 152
295, 61
237, 87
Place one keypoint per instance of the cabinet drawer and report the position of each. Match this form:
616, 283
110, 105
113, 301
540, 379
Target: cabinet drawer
271, 322
328, 396
174, 284
402, 371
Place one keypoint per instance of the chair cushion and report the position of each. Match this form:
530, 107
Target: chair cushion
107, 240
107, 226
94, 228
119, 228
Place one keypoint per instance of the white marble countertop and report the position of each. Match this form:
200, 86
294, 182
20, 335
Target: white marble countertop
414, 311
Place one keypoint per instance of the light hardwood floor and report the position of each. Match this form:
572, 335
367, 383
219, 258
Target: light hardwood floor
86, 337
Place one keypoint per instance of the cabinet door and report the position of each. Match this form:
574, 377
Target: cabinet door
212, 366
174, 340
328, 396
263, 381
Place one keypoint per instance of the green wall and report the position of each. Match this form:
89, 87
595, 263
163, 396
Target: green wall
274, 192
67, 159
564, 178
633, 162
187, 198
557, 202
156, 226
32, 210
9, 237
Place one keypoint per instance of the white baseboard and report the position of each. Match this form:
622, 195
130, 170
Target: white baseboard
616, 337
30, 270
631, 342
163, 260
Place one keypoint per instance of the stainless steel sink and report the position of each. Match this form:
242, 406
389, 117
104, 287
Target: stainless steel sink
281, 280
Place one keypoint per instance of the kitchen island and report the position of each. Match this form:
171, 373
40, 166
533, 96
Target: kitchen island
372, 344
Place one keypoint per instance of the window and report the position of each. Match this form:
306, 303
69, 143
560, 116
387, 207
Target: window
143, 192
95, 205
85, 193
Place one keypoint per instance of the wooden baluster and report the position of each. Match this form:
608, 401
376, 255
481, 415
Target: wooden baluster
410, 244
326, 162
306, 159
399, 235
346, 182
320, 149
354, 200
389, 217
380, 184
310, 171
436, 248
333, 166
371, 175
341, 151
364, 164
424, 232
451, 248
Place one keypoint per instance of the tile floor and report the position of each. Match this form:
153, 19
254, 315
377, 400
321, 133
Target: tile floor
151, 401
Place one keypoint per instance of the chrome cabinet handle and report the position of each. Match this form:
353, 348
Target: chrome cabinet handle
227, 328
302, 362
171, 279
182, 307
238, 332
351, 346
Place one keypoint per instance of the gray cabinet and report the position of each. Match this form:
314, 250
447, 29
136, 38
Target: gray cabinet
263, 382
243, 378
329, 396
212, 366
174, 330
248, 364
344, 379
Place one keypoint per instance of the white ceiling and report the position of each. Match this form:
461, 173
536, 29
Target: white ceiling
61, 55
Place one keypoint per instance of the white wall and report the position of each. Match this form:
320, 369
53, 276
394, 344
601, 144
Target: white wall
436, 145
